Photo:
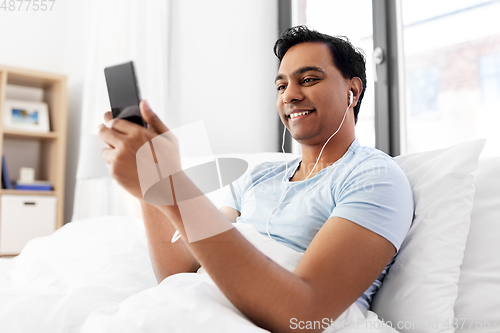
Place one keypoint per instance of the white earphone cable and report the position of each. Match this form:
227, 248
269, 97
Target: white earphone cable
283, 150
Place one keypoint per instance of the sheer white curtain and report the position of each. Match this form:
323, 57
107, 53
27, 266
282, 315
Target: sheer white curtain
121, 30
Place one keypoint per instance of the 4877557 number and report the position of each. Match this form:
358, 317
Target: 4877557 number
27, 5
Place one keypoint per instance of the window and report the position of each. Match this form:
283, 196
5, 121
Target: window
424, 89
452, 71
442, 72
489, 72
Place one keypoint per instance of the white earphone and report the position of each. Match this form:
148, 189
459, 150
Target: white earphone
351, 98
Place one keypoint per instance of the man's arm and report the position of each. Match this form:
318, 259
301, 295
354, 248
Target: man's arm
167, 258
170, 258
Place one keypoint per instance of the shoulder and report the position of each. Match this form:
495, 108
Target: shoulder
368, 162
367, 171
376, 194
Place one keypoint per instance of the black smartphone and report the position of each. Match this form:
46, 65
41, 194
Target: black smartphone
123, 92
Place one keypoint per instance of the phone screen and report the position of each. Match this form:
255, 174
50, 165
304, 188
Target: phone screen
123, 91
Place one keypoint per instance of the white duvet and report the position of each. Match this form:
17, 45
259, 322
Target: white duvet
95, 275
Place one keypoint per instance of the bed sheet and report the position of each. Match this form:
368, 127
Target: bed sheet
95, 275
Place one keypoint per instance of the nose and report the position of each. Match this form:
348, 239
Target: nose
292, 93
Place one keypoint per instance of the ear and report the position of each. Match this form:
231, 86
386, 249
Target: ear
356, 87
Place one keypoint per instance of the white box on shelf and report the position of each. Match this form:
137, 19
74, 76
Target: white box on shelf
24, 217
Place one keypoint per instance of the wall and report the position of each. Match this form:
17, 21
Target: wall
222, 68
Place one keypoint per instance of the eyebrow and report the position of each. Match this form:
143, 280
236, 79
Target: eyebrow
302, 70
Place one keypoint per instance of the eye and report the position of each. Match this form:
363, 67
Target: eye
280, 87
309, 80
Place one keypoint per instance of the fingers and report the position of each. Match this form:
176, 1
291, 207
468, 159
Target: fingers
107, 117
108, 154
123, 126
110, 136
151, 118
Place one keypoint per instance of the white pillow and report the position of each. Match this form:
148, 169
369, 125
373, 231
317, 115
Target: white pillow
419, 292
478, 304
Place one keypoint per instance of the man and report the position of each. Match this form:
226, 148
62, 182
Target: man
347, 207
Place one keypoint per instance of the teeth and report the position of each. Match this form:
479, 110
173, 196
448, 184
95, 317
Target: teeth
293, 115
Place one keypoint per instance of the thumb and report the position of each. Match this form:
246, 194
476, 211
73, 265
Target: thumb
151, 118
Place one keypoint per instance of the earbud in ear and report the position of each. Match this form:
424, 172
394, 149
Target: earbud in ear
351, 96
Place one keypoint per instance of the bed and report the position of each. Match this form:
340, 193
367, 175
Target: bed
94, 274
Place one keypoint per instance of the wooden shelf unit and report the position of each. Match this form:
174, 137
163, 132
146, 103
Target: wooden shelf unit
52, 144
9, 133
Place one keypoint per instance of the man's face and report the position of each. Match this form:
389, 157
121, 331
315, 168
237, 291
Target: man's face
308, 82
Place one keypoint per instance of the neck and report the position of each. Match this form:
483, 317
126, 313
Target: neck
333, 151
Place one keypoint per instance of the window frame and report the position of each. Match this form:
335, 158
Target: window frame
390, 109
284, 22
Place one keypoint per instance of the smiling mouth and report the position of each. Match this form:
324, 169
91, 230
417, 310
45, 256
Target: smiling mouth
298, 114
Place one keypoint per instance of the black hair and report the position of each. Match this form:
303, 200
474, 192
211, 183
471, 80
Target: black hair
347, 58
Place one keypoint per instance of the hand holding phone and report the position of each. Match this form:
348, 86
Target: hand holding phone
123, 92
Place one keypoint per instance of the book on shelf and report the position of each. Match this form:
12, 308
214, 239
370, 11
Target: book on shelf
5, 175
35, 185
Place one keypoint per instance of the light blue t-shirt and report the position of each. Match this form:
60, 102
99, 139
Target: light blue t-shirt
365, 186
